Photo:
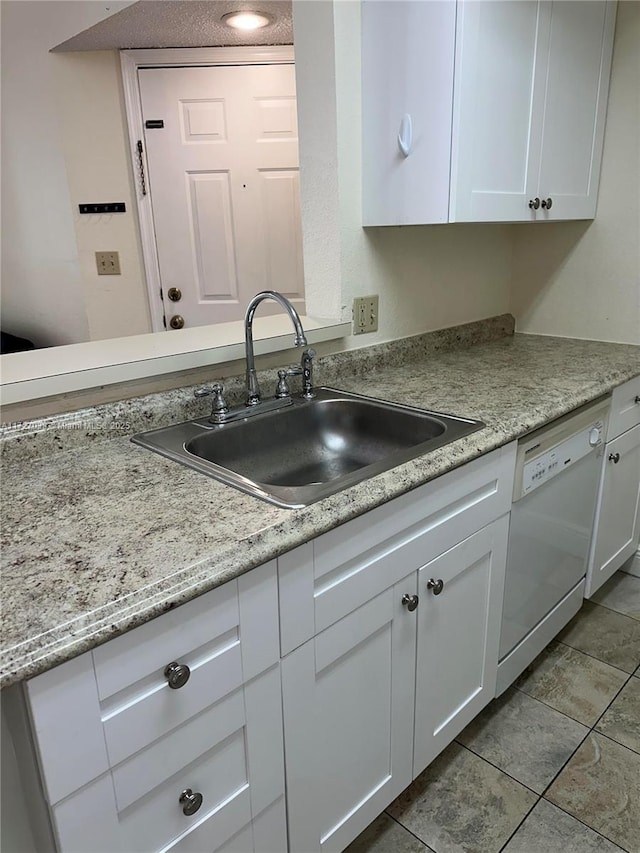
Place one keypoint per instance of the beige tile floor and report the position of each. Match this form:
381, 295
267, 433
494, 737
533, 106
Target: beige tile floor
551, 766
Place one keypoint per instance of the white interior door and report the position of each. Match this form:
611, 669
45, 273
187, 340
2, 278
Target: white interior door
223, 180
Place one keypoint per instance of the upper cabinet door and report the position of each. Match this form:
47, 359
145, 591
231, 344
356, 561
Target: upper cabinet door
497, 118
577, 84
506, 127
407, 95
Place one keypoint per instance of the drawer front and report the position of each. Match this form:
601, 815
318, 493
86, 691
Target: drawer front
221, 637
231, 754
625, 408
360, 559
97, 710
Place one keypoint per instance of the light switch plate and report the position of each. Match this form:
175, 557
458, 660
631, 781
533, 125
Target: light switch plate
108, 263
365, 314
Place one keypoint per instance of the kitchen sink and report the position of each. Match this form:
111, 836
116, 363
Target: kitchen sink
309, 449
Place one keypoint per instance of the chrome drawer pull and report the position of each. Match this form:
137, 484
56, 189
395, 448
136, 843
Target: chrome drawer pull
190, 802
177, 675
410, 601
436, 586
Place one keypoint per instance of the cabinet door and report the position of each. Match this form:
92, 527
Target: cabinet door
229, 755
407, 69
458, 638
617, 523
348, 720
497, 114
577, 86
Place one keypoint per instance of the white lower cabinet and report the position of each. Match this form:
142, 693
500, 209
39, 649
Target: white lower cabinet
348, 715
617, 523
169, 737
396, 670
459, 617
350, 665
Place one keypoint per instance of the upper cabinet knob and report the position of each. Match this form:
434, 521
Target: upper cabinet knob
177, 675
534, 203
546, 203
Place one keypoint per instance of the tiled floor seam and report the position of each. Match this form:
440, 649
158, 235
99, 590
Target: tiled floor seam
593, 657
597, 832
406, 828
564, 714
504, 772
613, 610
521, 822
613, 740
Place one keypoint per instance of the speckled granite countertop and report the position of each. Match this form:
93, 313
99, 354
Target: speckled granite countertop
100, 535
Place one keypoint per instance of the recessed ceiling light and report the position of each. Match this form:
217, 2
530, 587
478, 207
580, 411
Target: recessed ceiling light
246, 20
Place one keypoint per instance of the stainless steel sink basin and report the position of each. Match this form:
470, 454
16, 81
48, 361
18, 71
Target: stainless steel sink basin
311, 449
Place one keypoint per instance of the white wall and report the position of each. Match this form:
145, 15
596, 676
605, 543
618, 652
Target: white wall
582, 279
42, 289
96, 152
427, 277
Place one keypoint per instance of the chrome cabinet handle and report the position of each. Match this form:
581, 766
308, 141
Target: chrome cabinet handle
410, 601
546, 203
435, 585
534, 203
190, 802
636, 399
614, 457
177, 675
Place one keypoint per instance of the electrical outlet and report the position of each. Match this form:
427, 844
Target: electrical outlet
365, 314
108, 263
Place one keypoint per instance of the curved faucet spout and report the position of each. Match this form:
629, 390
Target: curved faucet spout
253, 389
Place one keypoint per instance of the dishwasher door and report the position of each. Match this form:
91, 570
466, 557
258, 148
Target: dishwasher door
556, 484
549, 538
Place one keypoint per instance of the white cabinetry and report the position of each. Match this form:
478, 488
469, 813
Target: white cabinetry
527, 91
131, 764
616, 530
348, 601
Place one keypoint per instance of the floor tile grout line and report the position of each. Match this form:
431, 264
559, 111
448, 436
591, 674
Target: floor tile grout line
400, 823
564, 714
504, 772
617, 742
520, 824
589, 655
613, 610
591, 828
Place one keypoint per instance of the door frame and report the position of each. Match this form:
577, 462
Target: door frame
130, 62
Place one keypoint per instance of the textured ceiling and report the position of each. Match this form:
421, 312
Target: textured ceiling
183, 23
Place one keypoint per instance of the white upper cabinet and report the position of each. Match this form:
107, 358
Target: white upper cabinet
526, 89
407, 68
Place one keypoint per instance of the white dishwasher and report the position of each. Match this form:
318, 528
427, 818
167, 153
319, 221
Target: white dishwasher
554, 498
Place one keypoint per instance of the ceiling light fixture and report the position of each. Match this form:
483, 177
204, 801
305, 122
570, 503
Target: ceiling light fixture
246, 20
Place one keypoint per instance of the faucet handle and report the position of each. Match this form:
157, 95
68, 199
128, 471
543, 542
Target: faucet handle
282, 388
219, 405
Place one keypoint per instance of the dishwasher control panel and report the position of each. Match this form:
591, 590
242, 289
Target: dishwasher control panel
549, 450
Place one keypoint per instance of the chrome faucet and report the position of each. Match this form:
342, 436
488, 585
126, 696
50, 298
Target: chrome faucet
221, 413
300, 340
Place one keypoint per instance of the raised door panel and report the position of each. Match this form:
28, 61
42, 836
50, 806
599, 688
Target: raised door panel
498, 103
579, 63
617, 524
407, 70
348, 720
458, 637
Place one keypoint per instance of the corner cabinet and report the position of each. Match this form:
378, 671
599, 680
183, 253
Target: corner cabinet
507, 107
616, 530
